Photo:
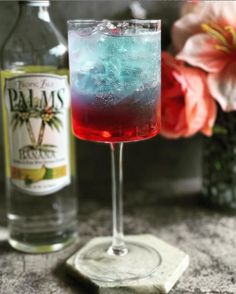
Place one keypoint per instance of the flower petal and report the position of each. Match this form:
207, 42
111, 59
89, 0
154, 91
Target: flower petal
220, 12
185, 28
187, 106
200, 51
200, 107
222, 87
195, 110
211, 116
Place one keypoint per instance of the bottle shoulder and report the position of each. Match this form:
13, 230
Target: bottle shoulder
35, 43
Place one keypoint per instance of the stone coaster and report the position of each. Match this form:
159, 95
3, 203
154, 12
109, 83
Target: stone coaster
174, 263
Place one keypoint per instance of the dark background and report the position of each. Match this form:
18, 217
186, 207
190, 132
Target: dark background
164, 166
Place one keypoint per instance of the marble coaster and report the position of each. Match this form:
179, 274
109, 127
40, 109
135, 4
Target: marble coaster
174, 263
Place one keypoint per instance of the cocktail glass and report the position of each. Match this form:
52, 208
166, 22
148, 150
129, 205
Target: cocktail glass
115, 87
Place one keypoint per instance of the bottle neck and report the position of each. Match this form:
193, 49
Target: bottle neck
34, 9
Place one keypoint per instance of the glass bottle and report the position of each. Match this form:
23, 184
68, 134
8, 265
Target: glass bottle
41, 202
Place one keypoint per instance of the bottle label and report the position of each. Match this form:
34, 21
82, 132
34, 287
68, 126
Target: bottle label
39, 132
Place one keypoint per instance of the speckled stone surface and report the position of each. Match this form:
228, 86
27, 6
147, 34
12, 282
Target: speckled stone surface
173, 262
208, 237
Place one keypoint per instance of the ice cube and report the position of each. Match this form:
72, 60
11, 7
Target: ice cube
105, 63
109, 28
106, 26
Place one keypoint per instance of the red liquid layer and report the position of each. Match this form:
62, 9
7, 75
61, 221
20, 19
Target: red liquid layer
128, 120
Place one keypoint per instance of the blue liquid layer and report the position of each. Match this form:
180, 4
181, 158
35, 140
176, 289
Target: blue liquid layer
119, 65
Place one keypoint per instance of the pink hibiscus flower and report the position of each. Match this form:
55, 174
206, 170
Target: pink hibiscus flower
206, 38
187, 106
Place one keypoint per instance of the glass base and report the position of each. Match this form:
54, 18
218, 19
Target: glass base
45, 247
96, 262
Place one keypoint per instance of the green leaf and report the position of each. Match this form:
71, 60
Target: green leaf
217, 129
28, 181
58, 120
55, 124
48, 174
49, 123
217, 165
56, 112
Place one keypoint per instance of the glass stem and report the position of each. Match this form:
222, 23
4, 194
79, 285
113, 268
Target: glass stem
118, 245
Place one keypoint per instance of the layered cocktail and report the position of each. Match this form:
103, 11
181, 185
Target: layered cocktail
115, 83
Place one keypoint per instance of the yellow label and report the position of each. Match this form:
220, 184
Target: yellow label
39, 174
36, 129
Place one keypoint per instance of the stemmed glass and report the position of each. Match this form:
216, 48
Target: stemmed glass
115, 88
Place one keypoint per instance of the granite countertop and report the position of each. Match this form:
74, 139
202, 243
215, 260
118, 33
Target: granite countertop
208, 236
